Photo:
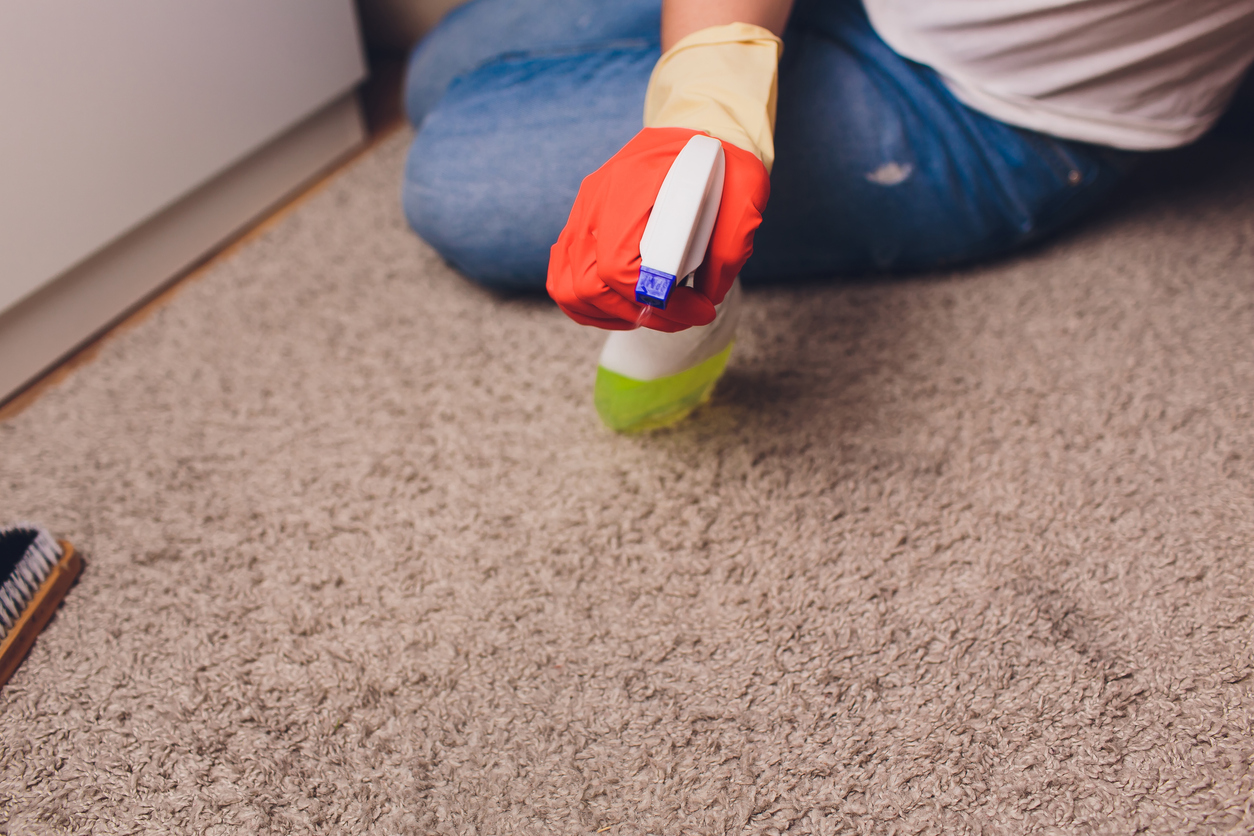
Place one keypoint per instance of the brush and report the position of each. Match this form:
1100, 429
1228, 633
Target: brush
35, 573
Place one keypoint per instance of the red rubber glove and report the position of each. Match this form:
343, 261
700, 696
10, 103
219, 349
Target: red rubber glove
595, 263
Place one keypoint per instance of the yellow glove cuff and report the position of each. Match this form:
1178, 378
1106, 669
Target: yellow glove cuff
721, 80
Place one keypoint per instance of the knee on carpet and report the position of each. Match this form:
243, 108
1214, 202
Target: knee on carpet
479, 225
497, 163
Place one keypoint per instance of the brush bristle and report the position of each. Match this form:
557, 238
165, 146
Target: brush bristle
28, 555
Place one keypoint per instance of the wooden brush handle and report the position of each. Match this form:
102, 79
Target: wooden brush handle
36, 614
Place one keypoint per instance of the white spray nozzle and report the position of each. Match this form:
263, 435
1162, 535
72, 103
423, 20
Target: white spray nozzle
679, 227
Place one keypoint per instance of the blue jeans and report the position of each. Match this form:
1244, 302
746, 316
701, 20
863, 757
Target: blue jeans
878, 167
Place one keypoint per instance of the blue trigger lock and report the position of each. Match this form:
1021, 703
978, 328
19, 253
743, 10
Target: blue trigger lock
654, 287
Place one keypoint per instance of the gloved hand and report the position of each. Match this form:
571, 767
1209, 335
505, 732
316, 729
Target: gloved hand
719, 81
595, 263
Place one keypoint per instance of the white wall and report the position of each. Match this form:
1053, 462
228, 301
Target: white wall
112, 110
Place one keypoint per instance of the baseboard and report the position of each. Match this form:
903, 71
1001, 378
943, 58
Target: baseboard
45, 327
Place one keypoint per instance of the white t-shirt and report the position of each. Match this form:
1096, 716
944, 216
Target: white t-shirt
1136, 74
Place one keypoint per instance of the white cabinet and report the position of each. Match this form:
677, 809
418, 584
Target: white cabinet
121, 119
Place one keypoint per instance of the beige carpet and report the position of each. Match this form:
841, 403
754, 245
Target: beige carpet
970, 553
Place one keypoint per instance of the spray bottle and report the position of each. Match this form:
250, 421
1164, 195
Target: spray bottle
645, 378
